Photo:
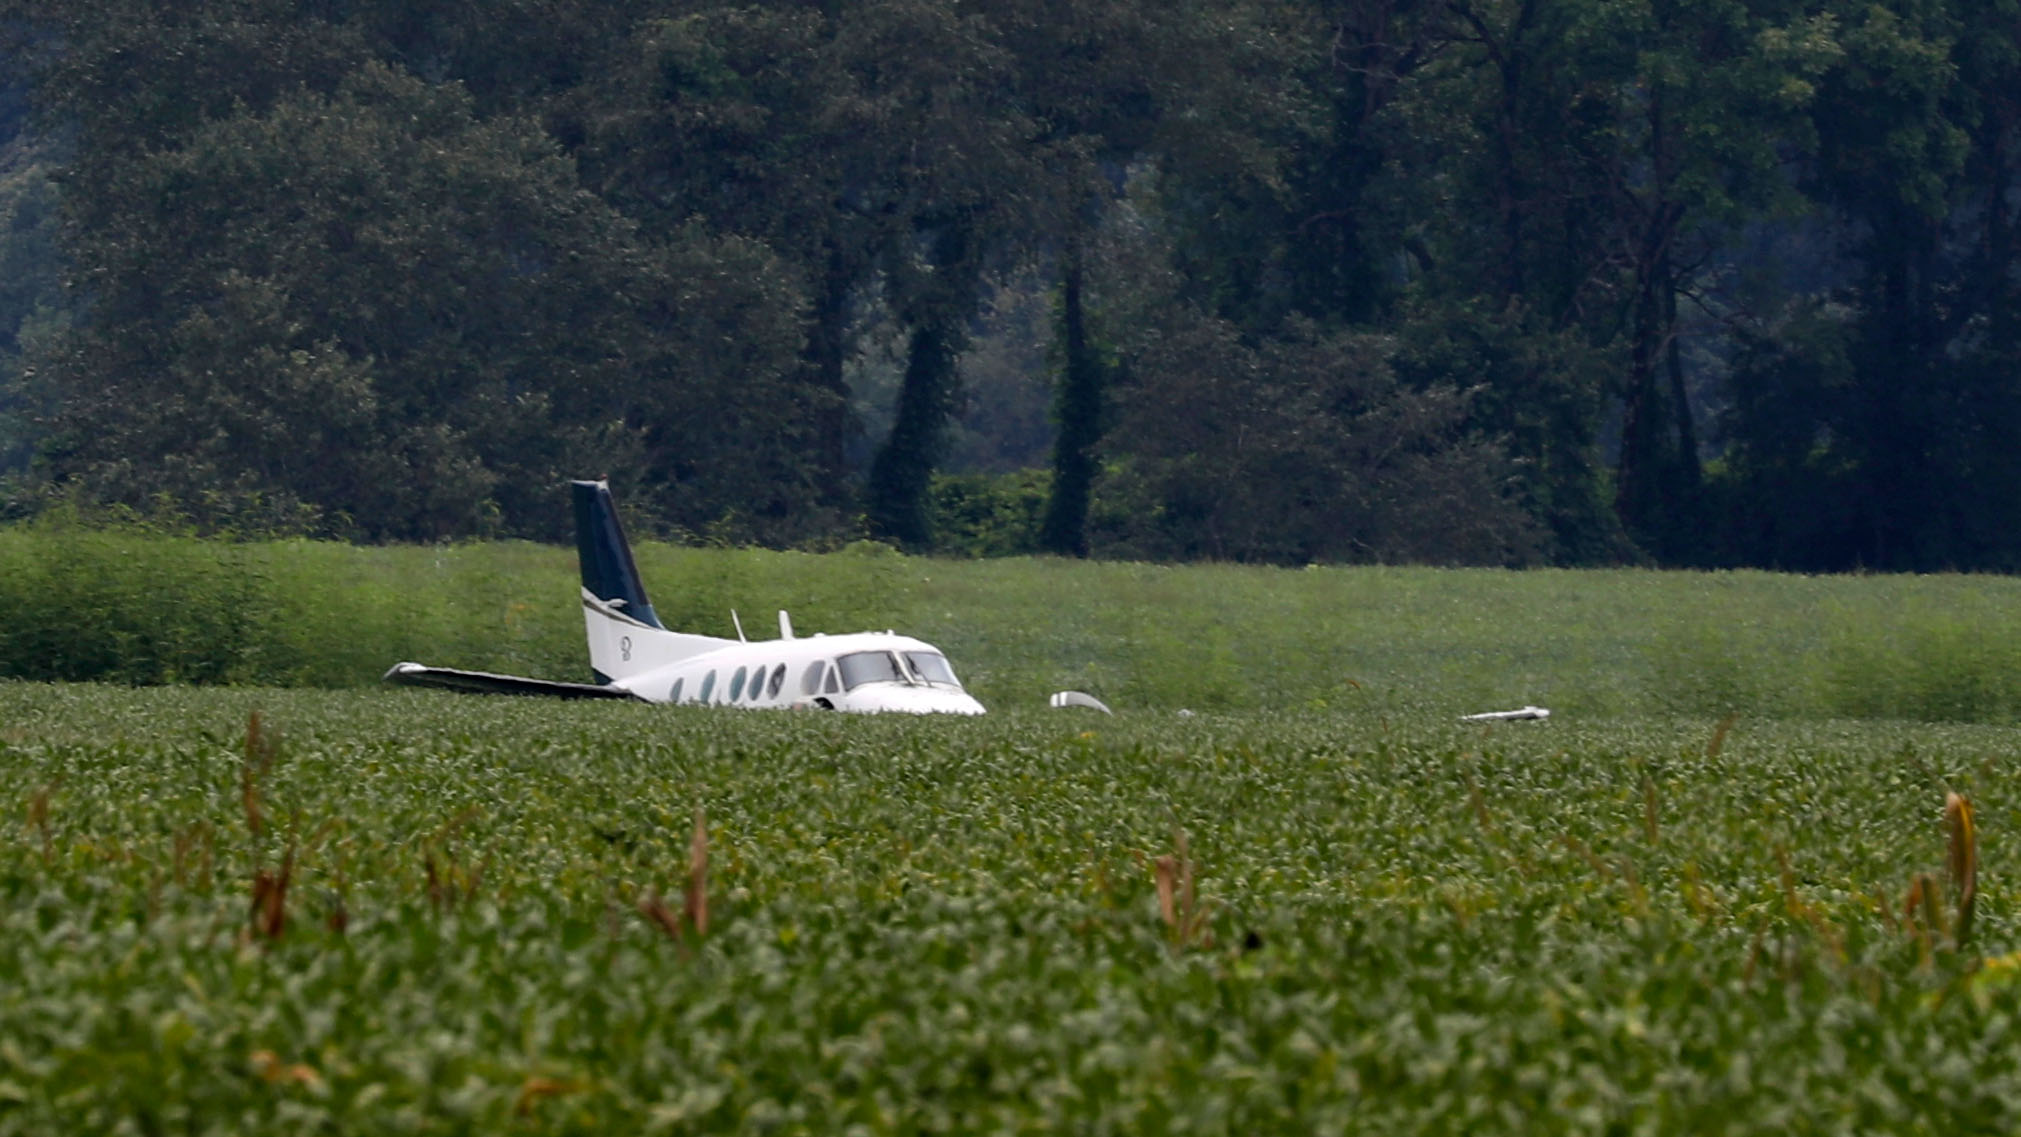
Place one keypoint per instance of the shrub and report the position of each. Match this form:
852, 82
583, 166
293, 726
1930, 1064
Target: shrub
989, 515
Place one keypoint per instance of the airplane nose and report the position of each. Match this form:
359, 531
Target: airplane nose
917, 701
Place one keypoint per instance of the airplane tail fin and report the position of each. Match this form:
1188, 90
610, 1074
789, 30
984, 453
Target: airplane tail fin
608, 572
626, 637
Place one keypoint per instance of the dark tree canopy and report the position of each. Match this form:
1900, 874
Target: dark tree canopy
1454, 281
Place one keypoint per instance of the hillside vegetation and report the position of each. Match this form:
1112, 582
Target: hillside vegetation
131, 607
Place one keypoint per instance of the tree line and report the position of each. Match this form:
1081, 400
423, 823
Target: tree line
1456, 281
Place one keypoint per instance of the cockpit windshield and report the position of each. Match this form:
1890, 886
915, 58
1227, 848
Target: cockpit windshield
931, 667
862, 667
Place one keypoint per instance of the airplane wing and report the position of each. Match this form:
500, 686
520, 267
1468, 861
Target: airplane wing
487, 683
1524, 714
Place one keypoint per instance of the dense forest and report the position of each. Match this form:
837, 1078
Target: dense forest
1451, 281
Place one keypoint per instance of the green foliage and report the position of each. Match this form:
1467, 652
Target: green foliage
343, 320
1007, 424
364, 298
1409, 925
1540, 390
989, 515
339, 616
1305, 450
1875, 418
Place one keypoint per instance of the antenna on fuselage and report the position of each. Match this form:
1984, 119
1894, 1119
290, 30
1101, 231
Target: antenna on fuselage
740, 626
785, 625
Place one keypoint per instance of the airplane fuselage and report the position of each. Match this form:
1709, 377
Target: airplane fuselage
861, 671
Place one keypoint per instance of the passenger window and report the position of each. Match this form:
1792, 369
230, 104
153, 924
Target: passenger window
810, 683
778, 680
736, 686
674, 696
708, 687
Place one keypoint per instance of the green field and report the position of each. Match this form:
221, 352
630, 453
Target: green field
1679, 906
1401, 924
126, 607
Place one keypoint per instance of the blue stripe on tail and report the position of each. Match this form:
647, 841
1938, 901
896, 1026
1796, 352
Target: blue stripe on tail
607, 567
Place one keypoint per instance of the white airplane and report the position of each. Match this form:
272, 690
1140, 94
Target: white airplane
634, 656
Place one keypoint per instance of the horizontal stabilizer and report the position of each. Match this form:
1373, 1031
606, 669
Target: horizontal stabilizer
1080, 699
487, 683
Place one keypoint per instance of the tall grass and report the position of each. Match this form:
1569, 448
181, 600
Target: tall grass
140, 608
83, 604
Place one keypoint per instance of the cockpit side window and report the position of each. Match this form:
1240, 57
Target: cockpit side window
834, 681
810, 683
931, 667
860, 667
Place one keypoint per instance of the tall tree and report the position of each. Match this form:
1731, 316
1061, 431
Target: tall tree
1617, 150
1504, 251
1344, 224
363, 303
32, 306
1889, 398
339, 289
1683, 175
1078, 404
873, 146
1115, 89
949, 156
742, 118
1096, 81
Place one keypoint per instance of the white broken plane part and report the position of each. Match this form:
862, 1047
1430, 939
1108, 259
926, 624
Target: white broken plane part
1079, 699
1508, 716
633, 656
